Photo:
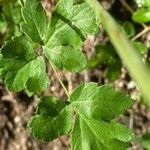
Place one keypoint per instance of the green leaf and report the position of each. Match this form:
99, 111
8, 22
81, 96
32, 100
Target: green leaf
90, 134
12, 12
80, 139
147, 3
142, 15
106, 55
129, 28
144, 140
35, 21
141, 3
103, 54
141, 47
113, 70
71, 22
101, 102
80, 15
63, 39
52, 119
73, 59
21, 68
96, 107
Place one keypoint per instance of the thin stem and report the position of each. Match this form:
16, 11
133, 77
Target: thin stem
132, 59
127, 6
63, 86
141, 33
131, 11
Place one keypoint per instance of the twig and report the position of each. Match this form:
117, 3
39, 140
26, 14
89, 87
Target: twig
63, 86
131, 120
145, 30
127, 6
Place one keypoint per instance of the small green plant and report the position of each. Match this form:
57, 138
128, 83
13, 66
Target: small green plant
90, 110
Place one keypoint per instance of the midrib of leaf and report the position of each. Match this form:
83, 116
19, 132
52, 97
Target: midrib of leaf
68, 22
94, 133
86, 102
36, 26
77, 101
32, 18
14, 80
91, 129
47, 125
51, 35
81, 132
111, 108
56, 52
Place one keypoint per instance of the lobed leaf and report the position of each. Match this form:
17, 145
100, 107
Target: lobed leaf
71, 22
35, 21
63, 38
79, 14
90, 134
21, 68
100, 103
96, 107
52, 119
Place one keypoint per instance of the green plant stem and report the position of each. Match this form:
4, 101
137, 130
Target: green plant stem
63, 86
139, 70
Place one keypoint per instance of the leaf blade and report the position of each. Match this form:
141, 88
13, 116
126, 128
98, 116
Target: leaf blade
22, 68
68, 29
52, 119
96, 107
99, 102
35, 21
